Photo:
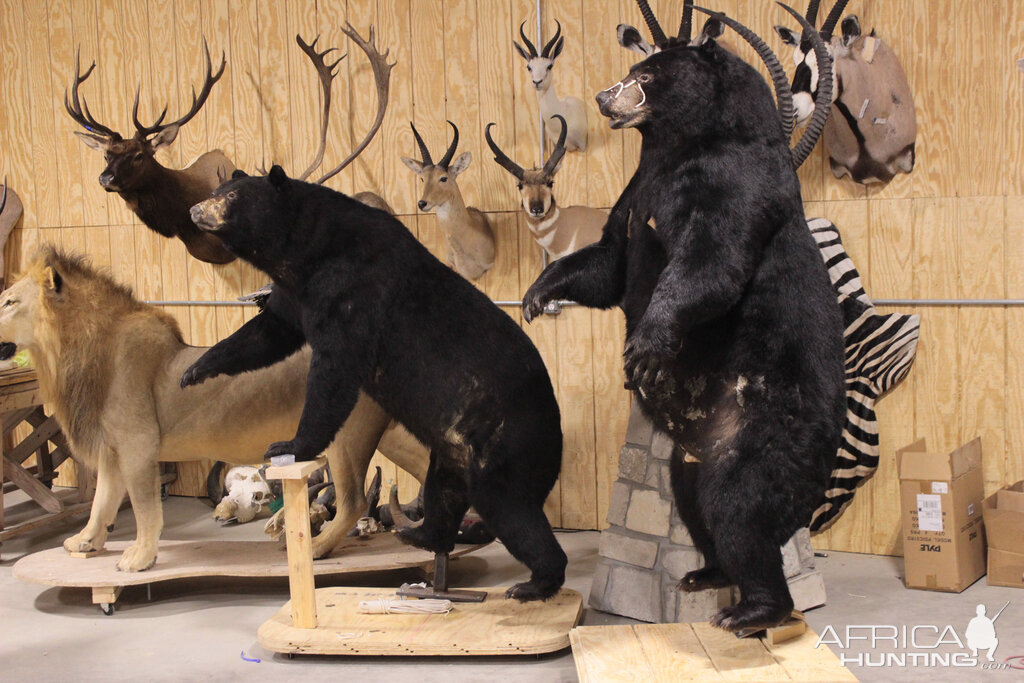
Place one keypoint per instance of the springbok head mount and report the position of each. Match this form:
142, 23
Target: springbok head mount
625, 101
438, 178
130, 161
535, 185
806, 77
539, 65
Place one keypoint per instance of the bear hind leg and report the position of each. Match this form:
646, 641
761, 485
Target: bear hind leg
684, 488
523, 528
445, 502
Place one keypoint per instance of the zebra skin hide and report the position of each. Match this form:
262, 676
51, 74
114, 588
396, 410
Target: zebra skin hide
879, 352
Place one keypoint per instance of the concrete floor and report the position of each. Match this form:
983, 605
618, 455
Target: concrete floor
198, 629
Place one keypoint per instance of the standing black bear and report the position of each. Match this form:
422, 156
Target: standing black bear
382, 314
734, 336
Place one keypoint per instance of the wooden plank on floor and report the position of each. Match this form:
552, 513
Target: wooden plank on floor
609, 654
738, 659
674, 653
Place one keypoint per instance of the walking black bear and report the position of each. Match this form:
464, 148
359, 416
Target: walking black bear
734, 337
382, 314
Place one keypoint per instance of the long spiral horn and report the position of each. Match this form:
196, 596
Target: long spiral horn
823, 101
783, 92
657, 34
424, 152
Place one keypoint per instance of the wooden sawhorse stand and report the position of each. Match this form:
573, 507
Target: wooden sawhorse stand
21, 401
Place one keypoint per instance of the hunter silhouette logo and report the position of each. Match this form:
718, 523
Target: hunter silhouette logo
981, 633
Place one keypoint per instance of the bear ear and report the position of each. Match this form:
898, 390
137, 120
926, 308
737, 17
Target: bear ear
277, 176
239, 173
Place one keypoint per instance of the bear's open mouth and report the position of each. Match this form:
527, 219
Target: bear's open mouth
7, 350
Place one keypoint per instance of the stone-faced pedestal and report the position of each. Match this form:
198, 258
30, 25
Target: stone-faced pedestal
646, 550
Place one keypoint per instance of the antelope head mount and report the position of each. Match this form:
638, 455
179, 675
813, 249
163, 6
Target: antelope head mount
535, 185
439, 187
872, 136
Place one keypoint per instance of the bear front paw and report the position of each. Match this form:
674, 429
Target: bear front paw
196, 374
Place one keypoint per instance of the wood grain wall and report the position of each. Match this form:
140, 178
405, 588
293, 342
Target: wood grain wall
953, 229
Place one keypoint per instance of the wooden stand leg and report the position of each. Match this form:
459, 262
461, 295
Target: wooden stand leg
298, 539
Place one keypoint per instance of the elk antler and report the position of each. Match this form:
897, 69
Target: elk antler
529, 45
559, 151
657, 34
424, 152
501, 158
326, 73
78, 109
382, 78
197, 102
783, 92
547, 48
447, 158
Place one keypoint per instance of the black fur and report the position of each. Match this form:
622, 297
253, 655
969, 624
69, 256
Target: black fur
734, 337
382, 314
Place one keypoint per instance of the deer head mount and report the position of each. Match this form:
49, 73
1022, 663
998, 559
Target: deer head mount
874, 136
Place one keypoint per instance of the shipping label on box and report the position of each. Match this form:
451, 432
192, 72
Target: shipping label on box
941, 497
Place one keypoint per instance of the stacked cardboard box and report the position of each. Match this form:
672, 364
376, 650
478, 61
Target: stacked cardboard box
1004, 526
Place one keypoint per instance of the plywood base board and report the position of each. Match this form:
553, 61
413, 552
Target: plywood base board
187, 559
496, 626
663, 653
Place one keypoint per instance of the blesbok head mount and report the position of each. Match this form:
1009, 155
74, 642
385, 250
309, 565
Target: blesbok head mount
627, 105
873, 138
469, 234
560, 230
540, 67
160, 196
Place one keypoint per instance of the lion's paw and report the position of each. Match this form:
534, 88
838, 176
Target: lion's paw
137, 558
83, 542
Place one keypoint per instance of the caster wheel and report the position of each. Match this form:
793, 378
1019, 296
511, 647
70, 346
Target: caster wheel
107, 608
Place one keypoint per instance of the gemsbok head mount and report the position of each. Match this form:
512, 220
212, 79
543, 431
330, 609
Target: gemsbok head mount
872, 132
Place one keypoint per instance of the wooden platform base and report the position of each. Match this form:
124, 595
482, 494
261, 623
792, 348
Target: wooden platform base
187, 559
658, 653
495, 626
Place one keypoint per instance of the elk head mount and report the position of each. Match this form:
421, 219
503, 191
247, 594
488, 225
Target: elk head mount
159, 196
470, 237
873, 134
558, 230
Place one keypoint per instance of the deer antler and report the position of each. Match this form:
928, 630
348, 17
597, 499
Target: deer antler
382, 77
450, 152
559, 151
197, 102
501, 158
547, 47
529, 45
78, 109
326, 73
